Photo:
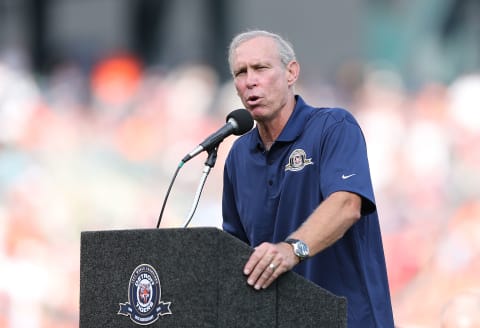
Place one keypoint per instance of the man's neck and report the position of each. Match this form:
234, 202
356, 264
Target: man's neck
270, 130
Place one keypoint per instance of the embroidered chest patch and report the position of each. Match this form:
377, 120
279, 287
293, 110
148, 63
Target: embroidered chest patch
297, 160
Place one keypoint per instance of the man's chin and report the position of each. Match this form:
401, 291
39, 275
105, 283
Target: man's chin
257, 114
256, 110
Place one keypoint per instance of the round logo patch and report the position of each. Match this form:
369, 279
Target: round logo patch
297, 160
144, 294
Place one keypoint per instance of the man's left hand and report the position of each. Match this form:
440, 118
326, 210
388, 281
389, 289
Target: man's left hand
268, 262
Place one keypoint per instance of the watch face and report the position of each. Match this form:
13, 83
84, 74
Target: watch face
301, 249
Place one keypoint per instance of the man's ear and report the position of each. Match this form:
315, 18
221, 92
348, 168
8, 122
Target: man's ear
293, 70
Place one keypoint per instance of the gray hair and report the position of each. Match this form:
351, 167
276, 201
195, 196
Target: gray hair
285, 49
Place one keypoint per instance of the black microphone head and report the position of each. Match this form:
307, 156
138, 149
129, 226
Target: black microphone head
242, 121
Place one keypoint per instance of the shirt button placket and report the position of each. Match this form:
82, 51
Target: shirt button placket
271, 171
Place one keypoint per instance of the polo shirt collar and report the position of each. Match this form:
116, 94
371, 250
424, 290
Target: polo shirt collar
294, 127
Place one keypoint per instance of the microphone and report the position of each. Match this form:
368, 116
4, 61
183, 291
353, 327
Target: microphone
238, 122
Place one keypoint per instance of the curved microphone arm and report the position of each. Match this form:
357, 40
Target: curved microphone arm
209, 163
238, 122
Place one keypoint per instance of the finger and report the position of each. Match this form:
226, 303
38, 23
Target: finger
260, 272
275, 273
263, 271
269, 274
272, 266
254, 259
260, 268
281, 264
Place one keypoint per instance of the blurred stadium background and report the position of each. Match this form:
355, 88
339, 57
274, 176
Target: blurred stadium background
100, 99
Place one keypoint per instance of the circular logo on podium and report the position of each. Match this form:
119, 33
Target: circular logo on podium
144, 304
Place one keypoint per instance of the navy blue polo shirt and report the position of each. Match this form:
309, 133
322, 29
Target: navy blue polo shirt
268, 194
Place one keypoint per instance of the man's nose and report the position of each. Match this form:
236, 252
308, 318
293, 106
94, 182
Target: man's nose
252, 79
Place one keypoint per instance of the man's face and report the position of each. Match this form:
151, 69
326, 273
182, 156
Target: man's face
261, 80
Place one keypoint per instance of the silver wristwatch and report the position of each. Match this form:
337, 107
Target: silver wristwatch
299, 248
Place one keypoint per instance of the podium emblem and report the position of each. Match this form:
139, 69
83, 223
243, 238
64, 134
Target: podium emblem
144, 304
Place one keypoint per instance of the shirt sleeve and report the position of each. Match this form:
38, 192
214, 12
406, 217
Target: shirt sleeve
344, 165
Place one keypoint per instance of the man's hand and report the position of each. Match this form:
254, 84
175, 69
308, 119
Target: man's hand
268, 262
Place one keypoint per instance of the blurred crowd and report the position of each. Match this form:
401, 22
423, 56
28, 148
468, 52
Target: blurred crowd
96, 150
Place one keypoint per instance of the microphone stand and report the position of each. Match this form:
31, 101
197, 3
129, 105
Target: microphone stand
209, 163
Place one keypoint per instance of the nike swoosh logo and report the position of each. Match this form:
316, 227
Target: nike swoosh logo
344, 177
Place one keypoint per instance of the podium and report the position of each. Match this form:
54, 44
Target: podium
190, 278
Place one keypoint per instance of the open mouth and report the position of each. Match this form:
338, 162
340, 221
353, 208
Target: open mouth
252, 100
